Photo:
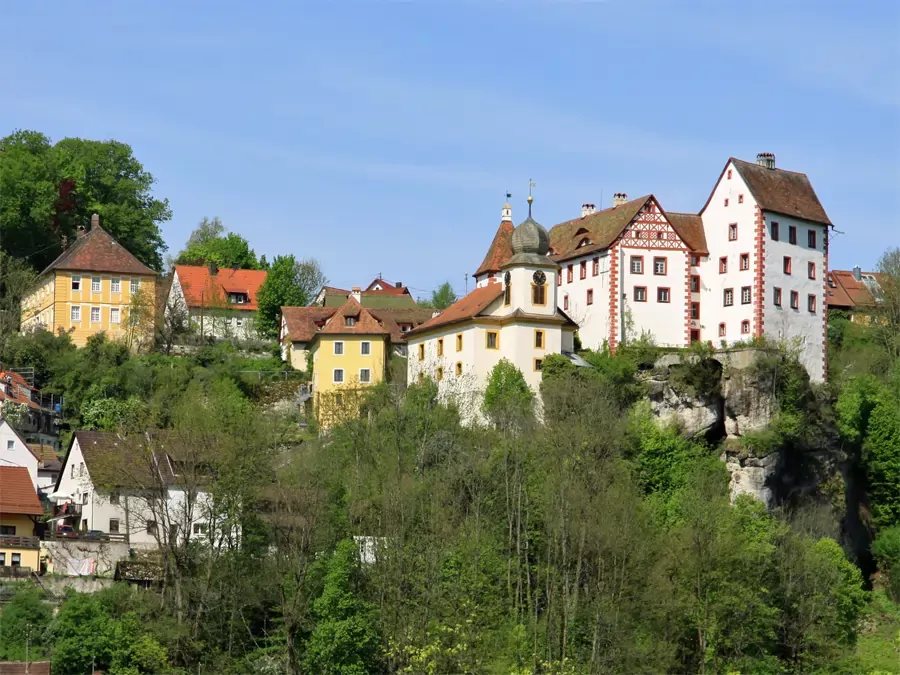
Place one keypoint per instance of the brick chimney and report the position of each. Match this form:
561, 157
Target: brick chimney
766, 159
588, 209
857, 273
95, 221
356, 294
619, 198
213, 269
399, 284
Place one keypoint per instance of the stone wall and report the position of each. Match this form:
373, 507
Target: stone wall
64, 556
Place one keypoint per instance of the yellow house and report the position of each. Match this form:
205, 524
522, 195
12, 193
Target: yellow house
94, 286
19, 510
349, 353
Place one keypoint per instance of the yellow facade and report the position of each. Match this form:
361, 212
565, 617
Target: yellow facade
24, 527
343, 366
87, 303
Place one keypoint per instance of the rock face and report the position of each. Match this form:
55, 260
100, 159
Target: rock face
754, 476
694, 416
749, 405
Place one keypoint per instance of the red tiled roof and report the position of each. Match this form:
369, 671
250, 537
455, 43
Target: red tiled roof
19, 390
847, 292
364, 323
387, 287
786, 192
195, 279
689, 227
301, 321
17, 494
464, 308
499, 251
392, 318
97, 251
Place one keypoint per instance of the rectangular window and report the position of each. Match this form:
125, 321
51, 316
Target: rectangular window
787, 264
695, 310
811, 238
538, 339
792, 234
199, 528
76, 282
640, 294
662, 295
811, 270
723, 265
365, 375
439, 373
729, 174
732, 232
95, 284
492, 340
16, 559
95, 315
339, 348
695, 283
583, 269
637, 264
721, 330
569, 274
774, 229
559, 278
115, 285
338, 376
440, 347
151, 527
776, 297
2, 559
659, 267
595, 268
726, 202
811, 303
740, 199
349, 321
745, 327
459, 342
114, 498
114, 526
538, 294
538, 365
590, 296
745, 262
728, 297
76, 313
746, 295
365, 348
566, 302
795, 300
8, 530
507, 294
10, 445
695, 260
135, 286
458, 368
421, 352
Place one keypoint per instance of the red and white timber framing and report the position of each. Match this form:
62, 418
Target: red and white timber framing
759, 248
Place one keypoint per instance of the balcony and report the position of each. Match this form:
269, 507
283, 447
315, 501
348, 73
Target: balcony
13, 541
15, 571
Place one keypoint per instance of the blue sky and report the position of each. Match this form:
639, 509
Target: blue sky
382, 136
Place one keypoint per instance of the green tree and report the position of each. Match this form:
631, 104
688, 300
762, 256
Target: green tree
887, 311
48, 191
344, 640
441, 297
16, 279
24, 618
289, 283
881, 454
508, 399
210, 242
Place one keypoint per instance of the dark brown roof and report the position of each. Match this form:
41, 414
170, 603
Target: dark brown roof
301, 321
97, 251
689, 227
786, 192
17, 493
499, 251
364, 323
464, 308
602, 229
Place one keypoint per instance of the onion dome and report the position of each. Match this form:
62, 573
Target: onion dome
530, 242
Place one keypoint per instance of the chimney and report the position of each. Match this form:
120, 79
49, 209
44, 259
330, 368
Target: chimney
399, 284
81, 231
619, 198
857, 273
213, 269
587, 209
356, 294
235, 267
506, 213
95, 221
64, 242
766, 159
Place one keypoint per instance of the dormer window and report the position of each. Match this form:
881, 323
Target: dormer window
238, 298
582, 230
349, 321
405, 328
584, 242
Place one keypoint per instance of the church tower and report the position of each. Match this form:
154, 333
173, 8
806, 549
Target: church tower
529, 276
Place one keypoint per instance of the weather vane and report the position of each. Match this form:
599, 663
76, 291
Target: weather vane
508, 196
531, 184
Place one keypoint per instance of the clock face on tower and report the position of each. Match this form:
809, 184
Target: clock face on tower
506, 278
539, 278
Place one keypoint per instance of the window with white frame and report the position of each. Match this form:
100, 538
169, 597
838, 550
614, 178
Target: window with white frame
76, 282
728, 297
338, 348
95, 315
95, 284
365, 348
135, 286
76, 313
338, 375
199, 528
10, 445
745, 295
115, 285
365, 376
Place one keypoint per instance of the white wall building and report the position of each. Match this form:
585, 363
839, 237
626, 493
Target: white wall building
517, 319
14, 451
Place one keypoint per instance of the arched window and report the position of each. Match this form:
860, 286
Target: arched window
507, 293
458, 368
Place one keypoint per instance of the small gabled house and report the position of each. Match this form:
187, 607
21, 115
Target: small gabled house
854, 291
20, 510
379, 294
14, 451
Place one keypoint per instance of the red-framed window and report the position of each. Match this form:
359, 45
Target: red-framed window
740, 199
729, 174
795, 300
745, 327
776, 296
786, 265
583, 269
811, 303
726, 202
660, 267
732, 232
773, 227
590, 296
640, 294
746, 295
721, 330
566, 301
728, 297
792, 234
723, 264
595, 267
637, 264
745, 262
811, 238
695, 260
695, 310
663, 295
569, 274
695, 283
811, 270
559, 278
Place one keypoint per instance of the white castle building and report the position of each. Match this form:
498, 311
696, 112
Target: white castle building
753, 262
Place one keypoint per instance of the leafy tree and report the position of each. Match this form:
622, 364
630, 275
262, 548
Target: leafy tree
24, 618
886, 550
441, 297
48, 191
887, 313
508, 399
344, 640
16, 279
881, 454
210, 242
289, 283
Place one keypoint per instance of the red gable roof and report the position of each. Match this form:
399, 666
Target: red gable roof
363, 322
845, 291
97, 251
17, 494
387, 287
196, 279
464, 308
499, 251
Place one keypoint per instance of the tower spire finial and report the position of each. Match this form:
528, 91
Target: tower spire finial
531, 184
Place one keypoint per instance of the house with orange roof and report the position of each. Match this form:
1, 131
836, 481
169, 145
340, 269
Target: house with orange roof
219, 303
379, 294
853, 291
33, 414
94, 286
20, 510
